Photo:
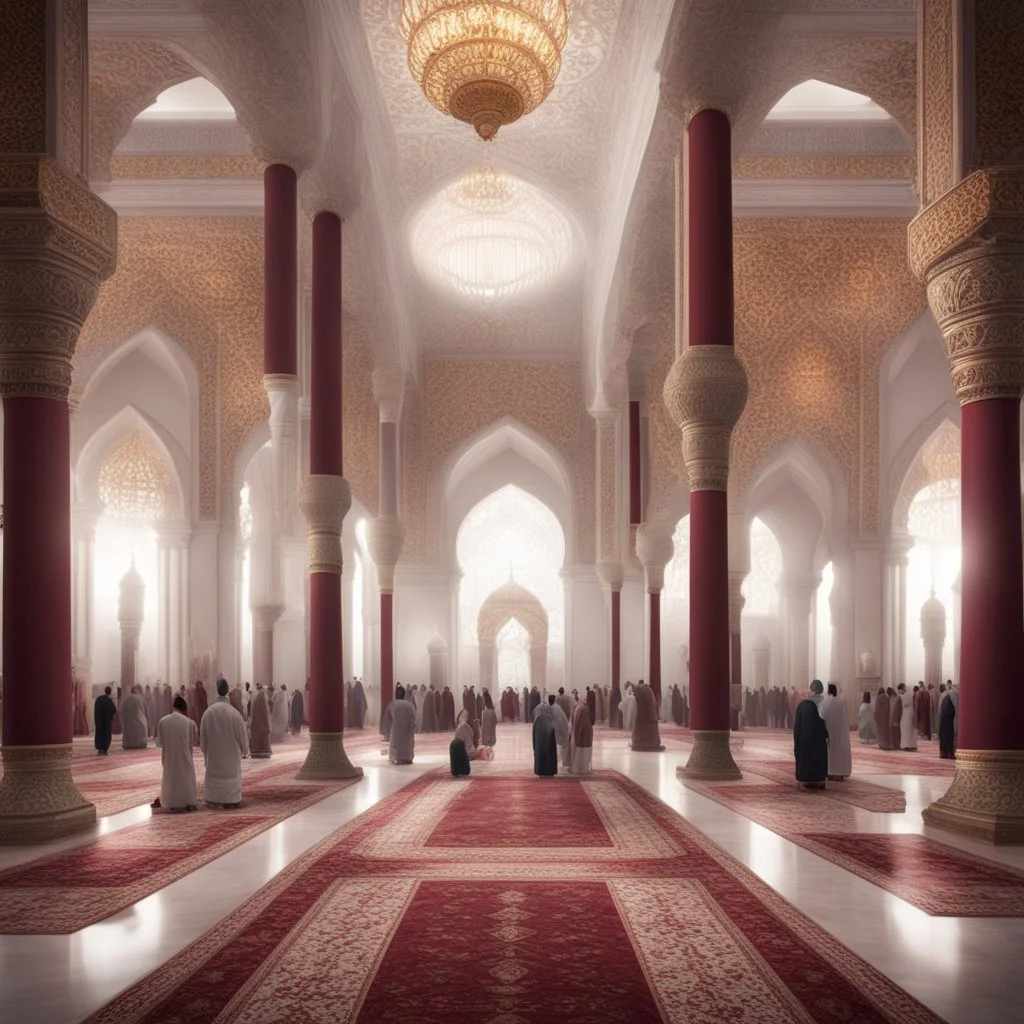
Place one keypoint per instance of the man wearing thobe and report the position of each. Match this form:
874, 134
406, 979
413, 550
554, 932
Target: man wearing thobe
564, 701
545, 749
581, 741
296, 712
399, 721
561, 720
591, 705
278, 715
908, 728
224, 743
627, 708
235, 697
134, 725
614, 718
176, 735
103, 711
840, 757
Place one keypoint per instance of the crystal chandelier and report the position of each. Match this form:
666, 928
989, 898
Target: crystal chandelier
485, 62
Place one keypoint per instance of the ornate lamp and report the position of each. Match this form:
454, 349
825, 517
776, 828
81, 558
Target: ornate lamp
485, 62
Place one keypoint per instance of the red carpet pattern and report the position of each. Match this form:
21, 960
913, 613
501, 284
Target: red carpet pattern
66, 891
658, 924
936, 878
856, 792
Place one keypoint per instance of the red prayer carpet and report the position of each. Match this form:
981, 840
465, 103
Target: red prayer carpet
405, 914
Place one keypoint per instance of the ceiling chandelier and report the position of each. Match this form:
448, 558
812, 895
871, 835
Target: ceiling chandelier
485, 62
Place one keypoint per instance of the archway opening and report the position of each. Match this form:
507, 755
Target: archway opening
513, 649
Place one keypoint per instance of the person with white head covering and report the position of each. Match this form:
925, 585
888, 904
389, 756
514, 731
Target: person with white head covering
627, 708
224, 743
176, 735
840, 758
279, 715
398, 723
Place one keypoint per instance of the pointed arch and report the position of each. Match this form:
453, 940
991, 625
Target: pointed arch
513, 601
114, 433
909, 472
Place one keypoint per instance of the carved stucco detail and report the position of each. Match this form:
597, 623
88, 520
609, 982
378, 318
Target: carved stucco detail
138, 167
705, 392
936, 156
654, 548
57, 242
38, 798
325, 501
512, 601
710, 758
986, 799
385, 537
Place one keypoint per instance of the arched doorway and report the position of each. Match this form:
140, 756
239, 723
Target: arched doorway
508, 604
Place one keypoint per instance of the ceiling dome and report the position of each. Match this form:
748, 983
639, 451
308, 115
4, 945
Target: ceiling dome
490, 236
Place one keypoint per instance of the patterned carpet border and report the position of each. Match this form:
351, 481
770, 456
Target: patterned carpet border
66, 891
793, 947
826, 823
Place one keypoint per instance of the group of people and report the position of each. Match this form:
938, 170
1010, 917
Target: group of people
821, 737
562, 730
774, 707
898, 718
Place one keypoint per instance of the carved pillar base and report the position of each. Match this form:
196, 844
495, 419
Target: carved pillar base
38, 799
986, 799
649, 747
711, 759
327, 759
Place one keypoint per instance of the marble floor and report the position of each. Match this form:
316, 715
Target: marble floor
962, 968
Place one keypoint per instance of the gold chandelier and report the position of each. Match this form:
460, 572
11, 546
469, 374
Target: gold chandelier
485, 62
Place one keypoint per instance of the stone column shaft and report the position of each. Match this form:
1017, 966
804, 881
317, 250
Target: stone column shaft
325, 499
705, 392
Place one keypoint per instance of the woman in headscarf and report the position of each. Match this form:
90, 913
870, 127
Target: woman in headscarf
488, 722
866, 720
947, 723
810, 746
581, 740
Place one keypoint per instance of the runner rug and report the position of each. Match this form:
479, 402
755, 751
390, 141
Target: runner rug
66, 891
415, 912
935, 878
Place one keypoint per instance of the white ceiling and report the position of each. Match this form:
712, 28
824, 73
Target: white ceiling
194, 100
818, 101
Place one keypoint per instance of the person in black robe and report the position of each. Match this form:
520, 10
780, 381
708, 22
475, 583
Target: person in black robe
947, 726
545, 748
534, 702
524, 707
810, 746
677, 706
358, 705
458, 758
614, 717
103, 712
297, 715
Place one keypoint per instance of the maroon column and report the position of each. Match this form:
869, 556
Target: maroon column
992, 627
635, 504
736, 679
325, 509
387, 650
280, 271
655, 634
616, 636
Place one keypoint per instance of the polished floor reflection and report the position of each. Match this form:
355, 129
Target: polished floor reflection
962, 968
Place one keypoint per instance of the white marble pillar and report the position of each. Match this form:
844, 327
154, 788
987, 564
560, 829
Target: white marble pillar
894, 639
173, 601
130, 608
83, 564
797, 595
264, 616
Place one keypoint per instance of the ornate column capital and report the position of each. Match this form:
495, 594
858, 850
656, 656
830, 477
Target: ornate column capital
610, 575
266, 615
736, 600
655, 549
385, 537
58, 241
704, 393
280, 384
325, 501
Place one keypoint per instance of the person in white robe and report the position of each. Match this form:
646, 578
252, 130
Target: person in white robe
176, 735
867, 728
224, 742
399, 725
666, 703
840, 758
908, 727
134, 723
279, 715
562, 730
627, 708
581, 742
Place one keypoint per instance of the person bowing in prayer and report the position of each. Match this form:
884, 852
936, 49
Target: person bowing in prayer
224, 743
176, 735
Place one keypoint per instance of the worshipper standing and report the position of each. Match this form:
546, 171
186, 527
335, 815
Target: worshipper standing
545, 744
247, 700
627, 709
840, 757
176, 735
676, 701
534, 701
866, 720
883, 726
895, 716
115, 726
103, 711
810, 745
428, 710
224, 743
908, 731
934, 698
259, 724
202, 701
645, 734
296, 715
235, 697
947, 723
614, 715
581, 742
922, 711
447, 709
478, 704
602, 704
564, 701
591, 700
81, 712
488, 722
147, 700
134, 725
168, 699
398, 726
817, 691
561, 721
358, 718
666, 703
278, 714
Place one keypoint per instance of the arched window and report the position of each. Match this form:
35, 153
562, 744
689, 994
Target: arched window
134, 483
511, 533
760, 588
513, 647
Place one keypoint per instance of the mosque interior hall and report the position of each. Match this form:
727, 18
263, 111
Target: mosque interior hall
511, 510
